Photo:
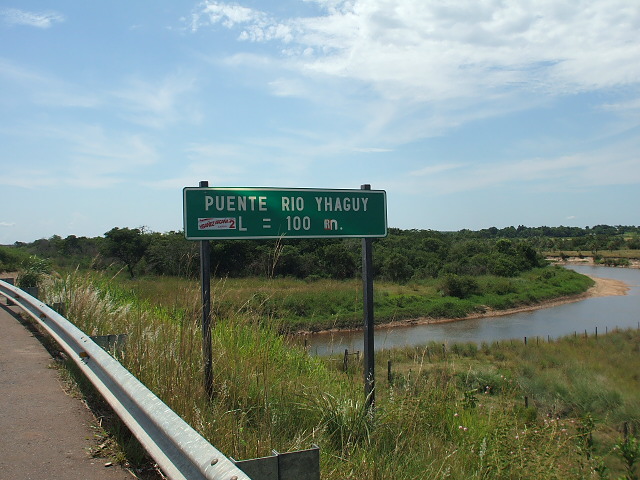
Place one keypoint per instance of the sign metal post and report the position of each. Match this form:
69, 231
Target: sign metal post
367, 299
205, 280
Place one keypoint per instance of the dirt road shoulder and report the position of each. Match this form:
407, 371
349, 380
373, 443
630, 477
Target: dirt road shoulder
45, 432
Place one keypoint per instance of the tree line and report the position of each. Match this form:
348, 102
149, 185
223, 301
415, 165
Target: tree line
401, 256
555, 232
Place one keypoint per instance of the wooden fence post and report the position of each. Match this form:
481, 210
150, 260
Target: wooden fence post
345, 361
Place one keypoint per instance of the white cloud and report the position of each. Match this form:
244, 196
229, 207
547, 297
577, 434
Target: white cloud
14, 16
256, 26
7, 224
230, 15
441, 59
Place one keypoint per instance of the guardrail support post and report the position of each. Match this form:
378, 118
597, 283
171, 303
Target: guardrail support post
10, 281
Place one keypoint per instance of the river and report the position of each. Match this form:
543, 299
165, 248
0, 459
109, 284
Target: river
601, 313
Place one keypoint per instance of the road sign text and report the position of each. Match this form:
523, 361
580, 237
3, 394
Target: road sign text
239, 213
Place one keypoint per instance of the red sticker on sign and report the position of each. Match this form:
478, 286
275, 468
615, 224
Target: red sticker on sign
216, 223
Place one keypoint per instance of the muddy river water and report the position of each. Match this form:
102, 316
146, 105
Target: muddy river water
601, 313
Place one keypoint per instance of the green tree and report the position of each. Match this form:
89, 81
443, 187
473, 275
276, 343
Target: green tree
128, 245
396, 267
339, 260
171, 254
505, 246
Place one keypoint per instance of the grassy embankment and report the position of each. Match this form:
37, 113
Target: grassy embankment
459, 415
298, 305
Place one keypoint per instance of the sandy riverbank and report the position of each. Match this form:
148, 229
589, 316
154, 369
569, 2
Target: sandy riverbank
603, 287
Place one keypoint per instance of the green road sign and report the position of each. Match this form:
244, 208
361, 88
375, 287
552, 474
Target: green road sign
260, 213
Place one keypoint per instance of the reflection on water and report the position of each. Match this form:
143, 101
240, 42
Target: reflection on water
601, 313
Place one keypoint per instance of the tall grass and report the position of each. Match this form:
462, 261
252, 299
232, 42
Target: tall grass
453, 414
259, 379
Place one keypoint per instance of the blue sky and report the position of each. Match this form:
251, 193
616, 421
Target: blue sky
469, 113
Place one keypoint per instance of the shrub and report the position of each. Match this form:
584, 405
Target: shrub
616, 262
459, 286
396, 268
33, 269
10, 259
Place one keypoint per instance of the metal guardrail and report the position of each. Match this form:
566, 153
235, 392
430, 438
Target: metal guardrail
180, 451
